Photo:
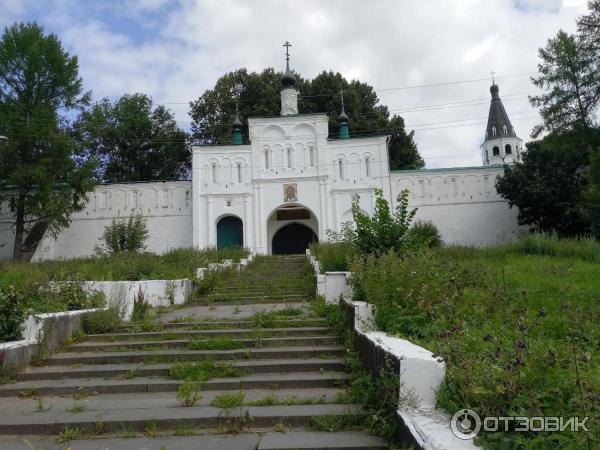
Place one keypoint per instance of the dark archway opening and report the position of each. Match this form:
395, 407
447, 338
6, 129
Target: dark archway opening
293, 239
230, 232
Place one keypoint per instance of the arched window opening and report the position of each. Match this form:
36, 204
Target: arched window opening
267, 159
508, 149
239, 172
505, 129
213, 169
496, 151
341, 169
311, 155
493, 131
289, 157
368, 166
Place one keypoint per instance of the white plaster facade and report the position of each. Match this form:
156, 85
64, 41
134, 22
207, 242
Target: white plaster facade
247, 181
167, 207
462, 202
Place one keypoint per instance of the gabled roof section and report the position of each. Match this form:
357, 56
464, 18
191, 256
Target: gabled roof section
497, 118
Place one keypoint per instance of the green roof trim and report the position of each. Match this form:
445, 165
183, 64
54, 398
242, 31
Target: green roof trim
447, 169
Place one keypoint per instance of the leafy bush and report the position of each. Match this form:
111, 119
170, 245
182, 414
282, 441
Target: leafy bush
385, 230
424, 234
125, 235
12, 313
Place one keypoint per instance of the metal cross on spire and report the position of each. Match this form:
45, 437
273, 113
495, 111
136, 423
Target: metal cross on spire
287, 46
493, 80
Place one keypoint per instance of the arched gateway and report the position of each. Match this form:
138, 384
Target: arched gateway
291, 228
293, 238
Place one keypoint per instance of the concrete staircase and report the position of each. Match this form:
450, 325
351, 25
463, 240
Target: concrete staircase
273, 378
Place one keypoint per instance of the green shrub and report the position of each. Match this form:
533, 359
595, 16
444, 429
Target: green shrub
125, 235
383, 231
424, 234
12, 314
103, 321
333, 256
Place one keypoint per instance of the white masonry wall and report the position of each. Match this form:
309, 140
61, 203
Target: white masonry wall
462, 202
167, 206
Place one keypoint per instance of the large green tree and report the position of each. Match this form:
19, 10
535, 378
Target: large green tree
569, 75
258, 93
42, 170
549, 187
132, 141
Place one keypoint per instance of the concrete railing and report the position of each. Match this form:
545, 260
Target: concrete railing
421, 372
42, 333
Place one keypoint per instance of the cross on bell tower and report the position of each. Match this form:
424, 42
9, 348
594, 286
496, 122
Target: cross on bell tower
289, 94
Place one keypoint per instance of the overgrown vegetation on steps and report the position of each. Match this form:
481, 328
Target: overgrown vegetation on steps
203, 371
378, 395
516, 324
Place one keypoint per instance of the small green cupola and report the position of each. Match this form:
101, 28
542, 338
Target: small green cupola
343, 118
236, 135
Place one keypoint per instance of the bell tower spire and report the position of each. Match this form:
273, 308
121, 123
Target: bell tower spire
501, 144
289, 94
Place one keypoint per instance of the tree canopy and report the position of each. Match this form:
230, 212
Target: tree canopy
131, 141
43, 177
550, 186
258, 93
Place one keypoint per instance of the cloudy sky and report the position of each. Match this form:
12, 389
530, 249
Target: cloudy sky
429, 60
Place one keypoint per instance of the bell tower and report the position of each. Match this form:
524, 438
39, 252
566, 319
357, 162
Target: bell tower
501, 144
289, 94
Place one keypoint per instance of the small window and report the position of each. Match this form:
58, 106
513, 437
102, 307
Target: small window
214, 173
508, 149
493, 131
341, 169
496, 151
267, 160
289, 157
505, 129
368, 166
239, 172
311, 155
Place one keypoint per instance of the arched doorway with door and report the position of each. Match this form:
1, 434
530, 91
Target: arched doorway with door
230, 232
292, 239
290, 229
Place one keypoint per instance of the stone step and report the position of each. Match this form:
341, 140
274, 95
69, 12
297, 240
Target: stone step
71, 358
52, 422
240, 332
296, 323
247, 440
291, 341
133, 400
148, 370
296, 380
251, 301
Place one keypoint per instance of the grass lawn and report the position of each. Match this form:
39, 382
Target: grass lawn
519, 329
32, 292
179, 263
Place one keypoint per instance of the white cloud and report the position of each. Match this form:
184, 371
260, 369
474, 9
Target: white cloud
387, 44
